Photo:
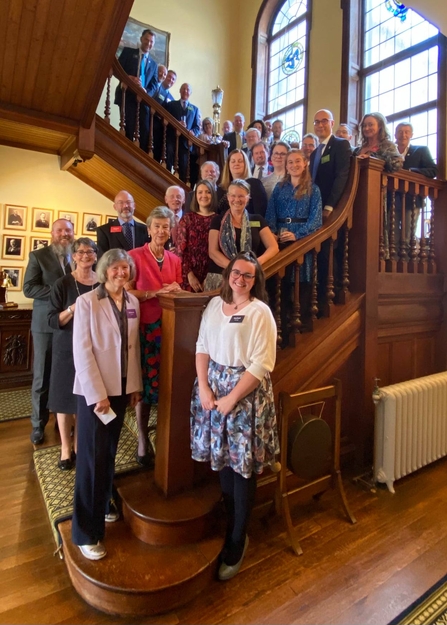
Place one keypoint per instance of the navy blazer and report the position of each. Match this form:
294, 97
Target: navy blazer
129, 62
163, 96
419, 160
192, 118
107, 240
231, 138
333, 170
41, 273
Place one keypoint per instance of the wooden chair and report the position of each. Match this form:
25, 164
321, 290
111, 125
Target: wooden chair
288, 404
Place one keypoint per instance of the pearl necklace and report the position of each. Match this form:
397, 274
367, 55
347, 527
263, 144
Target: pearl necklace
159, 260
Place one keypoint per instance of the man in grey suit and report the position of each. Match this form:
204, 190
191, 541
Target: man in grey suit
45, 266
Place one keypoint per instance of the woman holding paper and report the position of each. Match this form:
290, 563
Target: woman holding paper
106, 350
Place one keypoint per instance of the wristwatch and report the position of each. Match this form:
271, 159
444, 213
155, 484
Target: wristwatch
70, 311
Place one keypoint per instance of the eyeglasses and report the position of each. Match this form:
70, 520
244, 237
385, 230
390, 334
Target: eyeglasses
87, 253
282, 154
127, 203
322, 122
237, 274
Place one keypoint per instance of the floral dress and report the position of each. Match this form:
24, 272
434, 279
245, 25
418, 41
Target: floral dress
192, 246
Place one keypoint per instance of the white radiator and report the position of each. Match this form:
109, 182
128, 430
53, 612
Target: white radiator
410, 427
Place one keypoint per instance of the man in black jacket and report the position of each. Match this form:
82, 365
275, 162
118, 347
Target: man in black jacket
45, 266
123, 232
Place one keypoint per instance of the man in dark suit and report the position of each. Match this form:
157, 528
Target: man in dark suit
45, 266
124, 232
236, 139
163, 96
189, 116
143, 71
329, 168
417, 158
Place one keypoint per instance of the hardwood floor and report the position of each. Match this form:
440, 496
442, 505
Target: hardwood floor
365, 573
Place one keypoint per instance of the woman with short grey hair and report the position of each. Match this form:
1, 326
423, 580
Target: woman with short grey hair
156, 271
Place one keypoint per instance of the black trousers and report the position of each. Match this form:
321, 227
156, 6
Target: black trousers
42, 345
95, 466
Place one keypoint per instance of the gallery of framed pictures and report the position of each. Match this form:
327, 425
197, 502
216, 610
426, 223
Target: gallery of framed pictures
26, 229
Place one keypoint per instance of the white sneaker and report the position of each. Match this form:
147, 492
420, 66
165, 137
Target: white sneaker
93, 552
111, 517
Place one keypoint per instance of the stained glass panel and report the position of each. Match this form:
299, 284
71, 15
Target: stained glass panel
290, 11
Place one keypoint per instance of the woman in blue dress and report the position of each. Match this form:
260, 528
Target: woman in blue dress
294, 211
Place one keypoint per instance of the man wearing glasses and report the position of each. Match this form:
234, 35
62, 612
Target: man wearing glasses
330, 162
123, 232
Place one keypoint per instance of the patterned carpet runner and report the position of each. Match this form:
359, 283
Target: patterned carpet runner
58, 486
430, 609
15, 404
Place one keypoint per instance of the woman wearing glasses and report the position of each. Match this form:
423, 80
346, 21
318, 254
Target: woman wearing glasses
61, 312
375, 141
233, 421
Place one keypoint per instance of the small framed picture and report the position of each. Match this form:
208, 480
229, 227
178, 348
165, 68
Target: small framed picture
42, 219
37, 243
15, 275
15, 217
109, 218
90, 221
13, 247
73, 217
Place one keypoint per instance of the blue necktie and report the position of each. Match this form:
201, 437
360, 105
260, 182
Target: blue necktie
142, 67
317, 160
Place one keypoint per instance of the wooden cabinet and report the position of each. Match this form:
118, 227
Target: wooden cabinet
16, 347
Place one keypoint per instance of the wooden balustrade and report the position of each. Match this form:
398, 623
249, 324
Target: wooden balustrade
168, 140
408, 205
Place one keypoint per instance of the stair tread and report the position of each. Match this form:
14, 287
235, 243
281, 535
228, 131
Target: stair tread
144, 499
152, 568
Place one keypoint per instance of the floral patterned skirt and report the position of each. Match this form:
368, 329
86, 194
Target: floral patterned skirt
150, 341
247, 438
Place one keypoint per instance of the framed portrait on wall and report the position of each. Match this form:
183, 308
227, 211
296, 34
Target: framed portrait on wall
14, 217
13, 247
131, 39
90, 221
15, 275
73, 217
42, 219
37, 243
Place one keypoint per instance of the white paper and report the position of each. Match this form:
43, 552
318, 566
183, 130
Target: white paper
106, 417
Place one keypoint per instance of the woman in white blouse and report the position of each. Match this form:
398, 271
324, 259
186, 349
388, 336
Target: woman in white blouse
233, 420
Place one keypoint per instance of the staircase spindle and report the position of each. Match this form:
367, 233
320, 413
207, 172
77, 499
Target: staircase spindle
314, 291
277, 310
188, 164
431, 238
343, 295
123, 109
107, 104
296, 312
403, 254
330, 293
412, 264
423, 248
382, 248
391, 263
163, 151
151, 134
177, 139
136, 132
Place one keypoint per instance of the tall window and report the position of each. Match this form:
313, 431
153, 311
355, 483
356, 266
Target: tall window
287, 66
400, 68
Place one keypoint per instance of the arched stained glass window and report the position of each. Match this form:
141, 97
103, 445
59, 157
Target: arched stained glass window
287, 66
400, 68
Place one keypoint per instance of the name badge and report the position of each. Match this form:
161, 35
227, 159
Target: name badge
255, 224
237, 318
326, 158
115, 229
131, 313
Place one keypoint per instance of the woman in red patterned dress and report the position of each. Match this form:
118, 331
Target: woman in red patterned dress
192, 236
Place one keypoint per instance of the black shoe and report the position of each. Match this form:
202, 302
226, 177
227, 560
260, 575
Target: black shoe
36, 436
145, 461
65, 465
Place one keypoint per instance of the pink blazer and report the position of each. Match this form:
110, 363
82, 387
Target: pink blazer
97, 349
